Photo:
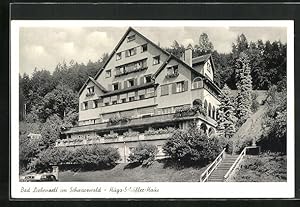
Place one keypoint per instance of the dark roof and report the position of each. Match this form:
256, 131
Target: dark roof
146, 85
201, 59
96, 84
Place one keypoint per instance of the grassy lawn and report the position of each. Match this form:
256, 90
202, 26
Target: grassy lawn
267, 167
159, 171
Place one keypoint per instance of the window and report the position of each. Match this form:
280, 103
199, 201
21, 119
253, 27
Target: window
208, 67
131, 52
131, 99
130, 38
114, 102
91, 89
142, 97
108, 74
144, 48
197, 83
173, 70
130, 82
148, 79
106, 104
95, 104
123, 100
156, 60
85, 105
165, 90
115, 86
179, 87
166, 110
119, 56
150, 92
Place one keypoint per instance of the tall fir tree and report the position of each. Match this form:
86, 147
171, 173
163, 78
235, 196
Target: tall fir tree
226, 119
244, 86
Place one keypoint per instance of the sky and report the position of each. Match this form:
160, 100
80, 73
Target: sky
44, 48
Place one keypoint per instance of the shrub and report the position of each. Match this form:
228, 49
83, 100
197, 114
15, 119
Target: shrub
189, 111
111, 136
144, 154
87, 157
116, 120
159, 131
192, 147
131, 134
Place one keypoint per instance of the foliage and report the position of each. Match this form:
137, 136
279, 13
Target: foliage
204, 46
111, 136
244, 86
226, 119
176, 49
51, 130
159, 131
192, 147
254, 103
275, 121
131, 134
116, 120
267, 167
144, 154
189, 111
87, 157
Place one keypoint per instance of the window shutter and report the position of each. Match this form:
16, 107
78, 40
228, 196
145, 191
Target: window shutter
81, 106
173, 88
109, 87
90, 104
125, 84
135, 81
126, 53
186, 86
119, 85
142, 80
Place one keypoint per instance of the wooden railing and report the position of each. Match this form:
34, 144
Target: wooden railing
238, 160
204, 176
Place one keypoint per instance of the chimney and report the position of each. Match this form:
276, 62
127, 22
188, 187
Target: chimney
188, 56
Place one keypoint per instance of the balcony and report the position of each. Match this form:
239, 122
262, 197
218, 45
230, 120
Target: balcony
102, 140
159, 120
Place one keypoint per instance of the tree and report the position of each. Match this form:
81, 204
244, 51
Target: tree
176, 49
240, 46
204, 46
51, 130
192, 147
144, 154
60, 101
244, 86
226, 119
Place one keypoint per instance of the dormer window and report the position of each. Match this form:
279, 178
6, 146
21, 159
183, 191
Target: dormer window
90, 91
172, 71
156, 60
209, 67
107, 73
147, 79
144, 48
119, 56
130, 38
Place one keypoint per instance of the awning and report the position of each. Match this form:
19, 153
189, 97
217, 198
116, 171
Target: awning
114, 98
131, 94
142, 92
122, 96
106, 100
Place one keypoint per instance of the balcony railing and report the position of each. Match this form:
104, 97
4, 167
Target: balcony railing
104, 140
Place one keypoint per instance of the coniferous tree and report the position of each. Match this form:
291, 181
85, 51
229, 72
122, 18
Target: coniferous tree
226, 119
244, 86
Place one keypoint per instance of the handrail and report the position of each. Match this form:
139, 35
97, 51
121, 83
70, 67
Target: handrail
234, 165
204, 176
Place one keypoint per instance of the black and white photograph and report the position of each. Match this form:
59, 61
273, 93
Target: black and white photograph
141, 106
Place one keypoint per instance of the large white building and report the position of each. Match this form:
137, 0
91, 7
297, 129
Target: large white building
140, 89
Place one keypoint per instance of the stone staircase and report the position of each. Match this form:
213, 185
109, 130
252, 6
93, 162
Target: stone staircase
218, 174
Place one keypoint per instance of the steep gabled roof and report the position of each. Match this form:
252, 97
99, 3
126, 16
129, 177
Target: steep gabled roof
96, 84
171, 56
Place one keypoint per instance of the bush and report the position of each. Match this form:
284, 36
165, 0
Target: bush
131, 134
159, 131
189, 111
192, 147
144, 154
87, 157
